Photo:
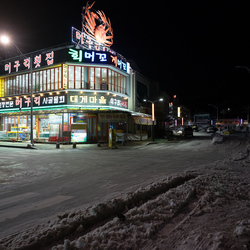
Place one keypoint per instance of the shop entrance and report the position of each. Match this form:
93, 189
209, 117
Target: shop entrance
92, 128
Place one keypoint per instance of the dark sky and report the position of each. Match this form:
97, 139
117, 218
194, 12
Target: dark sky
190, 47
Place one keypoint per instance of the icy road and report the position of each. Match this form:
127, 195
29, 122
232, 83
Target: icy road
36, 185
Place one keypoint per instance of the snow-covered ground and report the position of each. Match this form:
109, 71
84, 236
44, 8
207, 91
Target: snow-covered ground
202, 208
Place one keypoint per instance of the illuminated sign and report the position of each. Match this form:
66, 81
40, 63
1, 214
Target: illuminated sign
38, 60
96, 25
179, 111
65, 76
98, 99
38, 101
73, 98
1, 87
102, 57
87, 42
62, 55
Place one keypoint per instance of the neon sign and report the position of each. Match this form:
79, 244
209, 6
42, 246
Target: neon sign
63, 55
39, 60
97, 57
38, 101
96, 25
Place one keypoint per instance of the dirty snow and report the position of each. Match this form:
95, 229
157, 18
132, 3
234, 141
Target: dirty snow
204, 209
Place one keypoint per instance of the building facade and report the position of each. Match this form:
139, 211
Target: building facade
77, 95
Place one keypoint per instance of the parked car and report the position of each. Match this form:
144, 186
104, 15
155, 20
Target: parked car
187, 131
211, 129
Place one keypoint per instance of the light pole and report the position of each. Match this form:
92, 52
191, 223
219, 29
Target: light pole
5, 40
217, 108
153, 113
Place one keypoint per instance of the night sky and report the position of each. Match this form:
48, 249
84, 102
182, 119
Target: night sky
190, 47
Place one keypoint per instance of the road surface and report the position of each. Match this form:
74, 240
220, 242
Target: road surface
37, 185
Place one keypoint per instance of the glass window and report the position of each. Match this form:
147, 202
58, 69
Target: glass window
78, 77
91, 78
48, 79
60, 77
104, 78
83, 79
97, 78
113, 81
110, 80
44, 81
37, 88
56, 78
116, 78
119, 83
41, 80
71, 77
52, 72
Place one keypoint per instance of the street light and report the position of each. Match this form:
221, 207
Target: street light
153, 113
6, 40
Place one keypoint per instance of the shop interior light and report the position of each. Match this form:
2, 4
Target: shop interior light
25, 96
10, 98
17, 97
50, 93
81, 92
3, 99
58, 92
114, 95
94, 93
66, 91
108, 93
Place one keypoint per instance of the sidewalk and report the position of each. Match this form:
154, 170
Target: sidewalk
52, 146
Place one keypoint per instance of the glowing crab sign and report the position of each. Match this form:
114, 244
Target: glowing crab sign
97, 33
96, 25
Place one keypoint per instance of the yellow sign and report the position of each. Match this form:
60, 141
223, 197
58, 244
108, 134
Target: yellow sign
65, 76
1, 87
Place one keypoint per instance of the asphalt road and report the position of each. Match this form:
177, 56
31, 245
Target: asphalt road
38, 185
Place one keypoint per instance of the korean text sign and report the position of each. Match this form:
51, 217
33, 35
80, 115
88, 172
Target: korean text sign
38, 101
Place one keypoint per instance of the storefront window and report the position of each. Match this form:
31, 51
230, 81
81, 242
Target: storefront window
110, 79
52, 73
104, 79
50, 79
56, 78
71, 77
44, 81
97, 78
113, 81
77, 77
91, 78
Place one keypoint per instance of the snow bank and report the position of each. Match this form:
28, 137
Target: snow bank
78, 221
217, 138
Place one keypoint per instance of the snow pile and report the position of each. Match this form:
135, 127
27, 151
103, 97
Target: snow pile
78, 221
210, 211
140, 223
217, 138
